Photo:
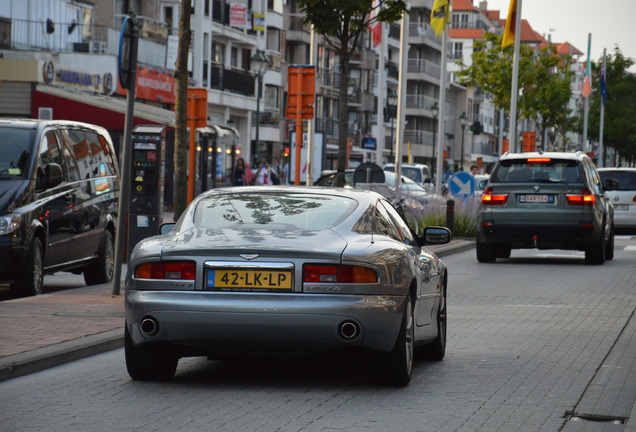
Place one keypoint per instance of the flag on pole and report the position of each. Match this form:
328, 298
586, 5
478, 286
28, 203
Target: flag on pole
511, 24
376, 33
587, 84
376, 27
603, 85
440, 15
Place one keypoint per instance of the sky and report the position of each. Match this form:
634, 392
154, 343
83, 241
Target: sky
610, 22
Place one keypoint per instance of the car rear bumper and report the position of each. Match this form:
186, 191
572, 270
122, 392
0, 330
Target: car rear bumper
623, 219
541, 237
200, 319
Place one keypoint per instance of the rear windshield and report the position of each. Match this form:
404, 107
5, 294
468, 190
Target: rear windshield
278, 211
626, 179
15, 149
538, 170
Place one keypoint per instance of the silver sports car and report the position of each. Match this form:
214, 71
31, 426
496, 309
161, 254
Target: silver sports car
284, 269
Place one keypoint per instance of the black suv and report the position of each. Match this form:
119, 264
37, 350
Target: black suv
58, 202
545, 201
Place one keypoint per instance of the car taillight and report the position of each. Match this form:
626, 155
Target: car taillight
489, 198
338, 274
166, 270
582, 199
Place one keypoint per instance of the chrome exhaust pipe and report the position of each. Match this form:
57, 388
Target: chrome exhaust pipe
149, 325
348, 330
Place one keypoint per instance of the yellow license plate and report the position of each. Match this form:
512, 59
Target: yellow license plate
249, 280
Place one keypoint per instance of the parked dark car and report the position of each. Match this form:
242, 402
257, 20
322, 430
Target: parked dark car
287, 271
545, 201
58, 202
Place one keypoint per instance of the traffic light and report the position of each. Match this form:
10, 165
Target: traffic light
477, 128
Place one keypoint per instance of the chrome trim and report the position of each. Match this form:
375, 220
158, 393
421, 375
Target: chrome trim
235, 264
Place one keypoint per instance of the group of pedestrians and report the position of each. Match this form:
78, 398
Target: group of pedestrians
264, 174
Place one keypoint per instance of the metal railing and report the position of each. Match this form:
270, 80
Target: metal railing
232, 80
57, 36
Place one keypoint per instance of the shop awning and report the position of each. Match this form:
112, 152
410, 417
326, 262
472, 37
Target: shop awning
106, 111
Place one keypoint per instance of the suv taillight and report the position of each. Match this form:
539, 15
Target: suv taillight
489, 198
582, 199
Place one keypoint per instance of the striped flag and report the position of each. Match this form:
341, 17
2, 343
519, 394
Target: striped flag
440, 15
511, 23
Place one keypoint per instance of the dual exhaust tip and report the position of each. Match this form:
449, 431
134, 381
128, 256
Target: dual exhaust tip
347, 330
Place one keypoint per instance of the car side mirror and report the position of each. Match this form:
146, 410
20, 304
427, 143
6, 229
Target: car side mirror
611, 185
435, 236
166, 227
53, 175
482, 184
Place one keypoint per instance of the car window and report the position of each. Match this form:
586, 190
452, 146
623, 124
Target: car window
538, 170
273, 211
399, 222
49, 153
626, 179
15, 147
385, 225
595, 179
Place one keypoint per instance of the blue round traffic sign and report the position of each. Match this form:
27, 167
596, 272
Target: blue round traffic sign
462, 184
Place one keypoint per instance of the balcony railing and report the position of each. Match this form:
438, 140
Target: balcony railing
424, 66
56, 36
232, 80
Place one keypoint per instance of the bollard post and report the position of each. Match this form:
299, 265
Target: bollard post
450, 215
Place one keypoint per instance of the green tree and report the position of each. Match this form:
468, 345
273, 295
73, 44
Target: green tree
544, 81
619, 128
341, 23
182, 143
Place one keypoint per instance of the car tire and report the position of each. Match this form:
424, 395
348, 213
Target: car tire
436, 350
150, 361
31, 279
504, 251
609, 248
101, 270
486, 252
396, 367
595, 252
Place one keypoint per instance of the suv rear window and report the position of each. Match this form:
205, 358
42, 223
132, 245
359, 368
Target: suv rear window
538, 170
626, 179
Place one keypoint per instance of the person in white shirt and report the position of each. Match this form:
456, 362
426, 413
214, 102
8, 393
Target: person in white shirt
262, 174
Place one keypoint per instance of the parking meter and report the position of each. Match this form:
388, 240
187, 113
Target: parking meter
147, 183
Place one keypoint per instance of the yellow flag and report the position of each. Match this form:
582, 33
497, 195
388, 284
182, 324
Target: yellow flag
440, 15
511, 22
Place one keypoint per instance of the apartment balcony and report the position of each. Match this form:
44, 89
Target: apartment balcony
54, 36
298, 32
423, 34
232, 80
423, 69
415, 104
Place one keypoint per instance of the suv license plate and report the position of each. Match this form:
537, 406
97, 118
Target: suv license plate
536, 198
249, 280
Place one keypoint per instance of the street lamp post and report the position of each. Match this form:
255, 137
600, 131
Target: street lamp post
259, 62
462, 120
391, 104
434, 111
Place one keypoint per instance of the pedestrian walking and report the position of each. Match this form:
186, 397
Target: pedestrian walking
276, 172
262, 174
239, 177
